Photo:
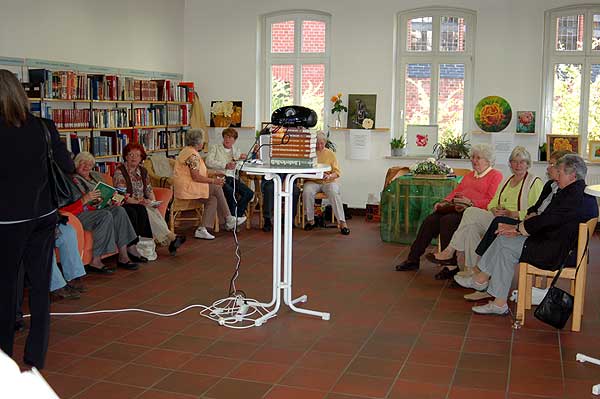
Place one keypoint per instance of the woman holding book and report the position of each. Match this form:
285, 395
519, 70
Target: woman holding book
109, 225
191, 181
133, 177
27, 215
328, 185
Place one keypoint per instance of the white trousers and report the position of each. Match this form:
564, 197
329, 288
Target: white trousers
472, 227
332, 190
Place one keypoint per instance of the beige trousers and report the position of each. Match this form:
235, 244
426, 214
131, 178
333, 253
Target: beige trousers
472, 227
214, 205
160, 231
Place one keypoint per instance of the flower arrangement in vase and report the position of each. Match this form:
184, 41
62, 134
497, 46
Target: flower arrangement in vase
337, 108
430, 168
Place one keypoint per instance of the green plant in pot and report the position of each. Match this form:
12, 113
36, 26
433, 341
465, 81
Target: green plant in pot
398, 147
543, 152
452, 146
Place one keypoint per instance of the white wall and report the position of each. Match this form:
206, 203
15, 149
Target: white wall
221, 57
134, 34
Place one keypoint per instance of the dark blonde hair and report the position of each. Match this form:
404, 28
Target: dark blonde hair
231, 132
14, 105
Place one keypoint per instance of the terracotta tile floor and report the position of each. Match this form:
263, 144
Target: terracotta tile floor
391, 335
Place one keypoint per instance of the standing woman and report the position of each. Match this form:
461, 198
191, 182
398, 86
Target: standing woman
27, 216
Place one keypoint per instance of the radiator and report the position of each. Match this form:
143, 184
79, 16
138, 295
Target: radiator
592, 179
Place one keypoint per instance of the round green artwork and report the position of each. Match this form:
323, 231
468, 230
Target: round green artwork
493, 114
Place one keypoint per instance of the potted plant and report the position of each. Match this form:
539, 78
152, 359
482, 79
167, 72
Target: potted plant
398, 147
452, 146
543, 152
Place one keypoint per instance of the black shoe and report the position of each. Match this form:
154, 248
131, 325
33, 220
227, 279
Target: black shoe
137, 259
309, 226
407, 266
431, 257
104, 270
267, 226
65, 292
128, 265
446, 274
345, 231
175, 244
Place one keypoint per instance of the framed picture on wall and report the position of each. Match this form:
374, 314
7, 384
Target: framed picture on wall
361, 107
225, 114
420, 139
525, 121
562, 142
594, 151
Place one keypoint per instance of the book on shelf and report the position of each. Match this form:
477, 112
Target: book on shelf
294, 162
106, 194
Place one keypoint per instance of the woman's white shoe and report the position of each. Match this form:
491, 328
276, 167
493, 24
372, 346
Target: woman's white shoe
203, 234
232, 222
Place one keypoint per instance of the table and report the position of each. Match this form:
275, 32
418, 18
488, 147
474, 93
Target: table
407, 201
282, 276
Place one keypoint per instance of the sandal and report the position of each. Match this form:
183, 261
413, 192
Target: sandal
446, 274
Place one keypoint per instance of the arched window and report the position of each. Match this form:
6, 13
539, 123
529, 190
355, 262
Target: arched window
572, 73
434, 68
296, 55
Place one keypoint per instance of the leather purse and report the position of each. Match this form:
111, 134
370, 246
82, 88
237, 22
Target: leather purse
557, 306
64, 191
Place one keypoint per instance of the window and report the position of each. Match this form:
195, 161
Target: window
435, 66
572, 77
297, 62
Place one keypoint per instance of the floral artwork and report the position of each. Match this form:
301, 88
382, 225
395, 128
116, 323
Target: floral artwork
525, 121
562, 142
226, 113
594, 154
493, 114
361, 107
420, 139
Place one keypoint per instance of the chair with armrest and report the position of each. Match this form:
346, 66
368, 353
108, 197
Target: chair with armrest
577, 278
155, 179
76, 224
301, 209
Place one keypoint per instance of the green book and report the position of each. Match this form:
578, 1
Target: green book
106, 193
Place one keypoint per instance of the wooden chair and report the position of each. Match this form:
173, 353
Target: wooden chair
257, 200
394, 172
178, 206
319, 196
578, 279
156, 180
461, 171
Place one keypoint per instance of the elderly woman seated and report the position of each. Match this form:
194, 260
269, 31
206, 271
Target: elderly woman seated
222, 158
133, 177
192, 181
328, 185
514, 196
109, 225
476, 190
542, 240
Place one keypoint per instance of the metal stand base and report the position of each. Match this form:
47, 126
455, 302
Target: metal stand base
584, 358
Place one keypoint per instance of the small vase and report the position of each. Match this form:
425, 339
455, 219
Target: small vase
337, 121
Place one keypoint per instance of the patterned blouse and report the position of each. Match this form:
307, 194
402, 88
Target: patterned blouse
136, 181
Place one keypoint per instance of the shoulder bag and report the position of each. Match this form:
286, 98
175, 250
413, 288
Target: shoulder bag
64, 191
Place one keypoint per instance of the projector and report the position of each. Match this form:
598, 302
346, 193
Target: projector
293, 116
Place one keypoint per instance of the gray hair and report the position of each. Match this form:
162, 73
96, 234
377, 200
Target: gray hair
573, 163
194, 137
484, 151
321, 135
83, 156
522, 153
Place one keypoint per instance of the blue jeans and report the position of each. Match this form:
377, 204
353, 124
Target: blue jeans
70, 259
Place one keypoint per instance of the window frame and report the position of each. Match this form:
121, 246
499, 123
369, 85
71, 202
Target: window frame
435, 57
297, 58
586, 57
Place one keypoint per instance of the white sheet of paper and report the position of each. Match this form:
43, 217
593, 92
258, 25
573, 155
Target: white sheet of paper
360, 144
503, 144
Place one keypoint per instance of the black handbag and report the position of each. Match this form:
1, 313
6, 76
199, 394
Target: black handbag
557, 306
64, 191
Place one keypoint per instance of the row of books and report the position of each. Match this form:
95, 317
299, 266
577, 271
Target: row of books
111, 118
70, 118
178, 114
70, 85
293, 147
149, 116
153, 140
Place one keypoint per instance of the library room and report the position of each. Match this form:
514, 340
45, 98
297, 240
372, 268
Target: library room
264, 200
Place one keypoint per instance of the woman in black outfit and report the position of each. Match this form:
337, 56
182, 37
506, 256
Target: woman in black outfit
27, 216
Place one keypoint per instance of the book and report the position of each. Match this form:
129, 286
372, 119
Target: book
106, 193
294, 162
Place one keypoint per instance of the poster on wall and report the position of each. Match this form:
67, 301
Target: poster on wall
502, 146
420, 139
359, 144
225, 113
361, 107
